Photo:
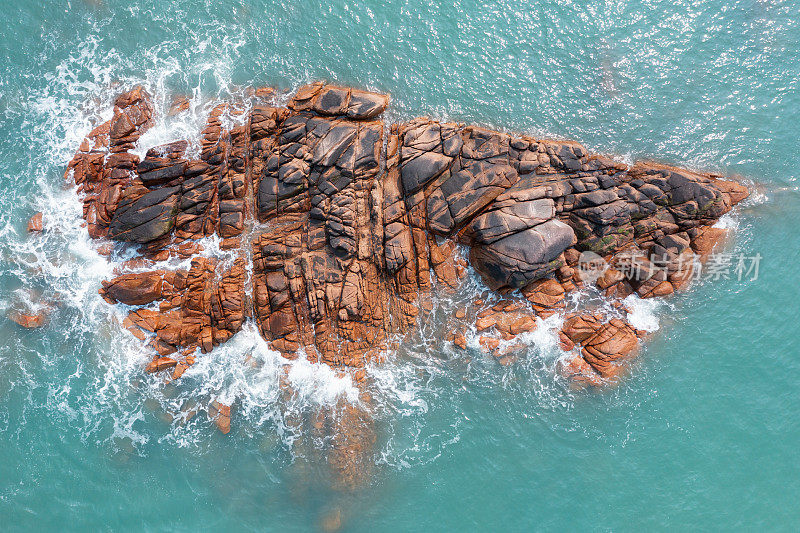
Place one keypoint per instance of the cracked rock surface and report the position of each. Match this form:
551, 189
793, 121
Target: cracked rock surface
338, 227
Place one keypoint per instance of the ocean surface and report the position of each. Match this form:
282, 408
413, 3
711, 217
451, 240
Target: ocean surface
705, 433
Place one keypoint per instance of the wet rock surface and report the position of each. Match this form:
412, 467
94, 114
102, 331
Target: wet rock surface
340, 226
337, 228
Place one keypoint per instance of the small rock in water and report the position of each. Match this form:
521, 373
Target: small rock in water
332, 521
221, 415
35, 224
179, 105
30, 321
264, 92
160, 363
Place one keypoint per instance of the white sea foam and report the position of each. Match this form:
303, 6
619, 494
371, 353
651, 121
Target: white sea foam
644, 313
727, 221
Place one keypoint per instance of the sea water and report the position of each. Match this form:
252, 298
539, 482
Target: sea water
703, 434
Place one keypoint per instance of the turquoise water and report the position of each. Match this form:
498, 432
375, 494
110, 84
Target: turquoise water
705, 433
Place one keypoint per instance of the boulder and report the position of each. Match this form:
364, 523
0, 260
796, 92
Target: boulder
516, 260
139, 288
160, 363
220, 414
545, 295
612, 342
143, 216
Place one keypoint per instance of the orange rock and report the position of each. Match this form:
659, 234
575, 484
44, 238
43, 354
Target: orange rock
681, 275
578, 370
180, 368
160, 363
30, 321
264, 92
35, 223
579, 328
489, 344
221, 415
459, 340
179, 105
134, 289
612, 342
572, 256
706, 240
664, 288
564, 342
544, 294
522, 325
486, 322
610, 277
735, 191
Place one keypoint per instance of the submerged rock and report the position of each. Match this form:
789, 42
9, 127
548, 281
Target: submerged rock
220, 414
32, 320
35, 224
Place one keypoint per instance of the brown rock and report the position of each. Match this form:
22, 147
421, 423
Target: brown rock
612, 342
134, 289
707, 240
179, 105
610, 277
579, 328
577, 370
355, 223
545, 294
565, 343
180, 368
160, 363
337, 228
221, 416
30, 321
35, 224
489, 344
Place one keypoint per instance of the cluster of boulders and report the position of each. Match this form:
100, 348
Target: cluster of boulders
337, 229
342, 227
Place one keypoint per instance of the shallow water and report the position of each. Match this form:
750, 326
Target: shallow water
703, 435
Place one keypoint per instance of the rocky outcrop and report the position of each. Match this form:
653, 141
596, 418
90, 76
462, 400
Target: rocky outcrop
605, 346
338, 228
343, 226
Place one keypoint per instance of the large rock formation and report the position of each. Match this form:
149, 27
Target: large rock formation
341, 226
337, 228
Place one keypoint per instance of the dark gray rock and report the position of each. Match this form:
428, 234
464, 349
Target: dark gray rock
145, 218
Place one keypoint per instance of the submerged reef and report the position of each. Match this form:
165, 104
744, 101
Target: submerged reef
338, 230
